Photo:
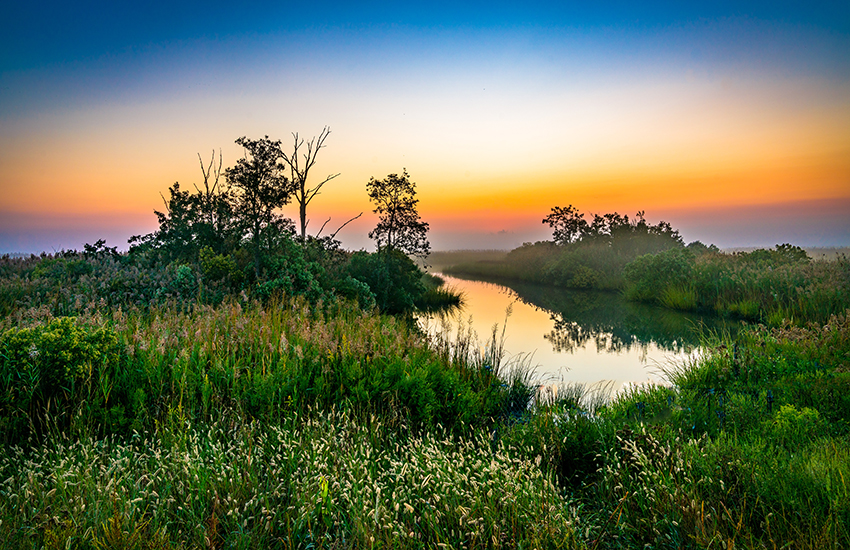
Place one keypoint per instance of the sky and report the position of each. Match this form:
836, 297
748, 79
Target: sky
731, 120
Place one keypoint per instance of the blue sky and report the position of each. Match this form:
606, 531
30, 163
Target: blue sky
690, 111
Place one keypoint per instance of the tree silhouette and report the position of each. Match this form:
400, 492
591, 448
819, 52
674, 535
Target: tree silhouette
399, 226
260, 189
567, 223
299, 169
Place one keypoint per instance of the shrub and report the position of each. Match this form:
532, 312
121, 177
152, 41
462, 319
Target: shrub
649, 275
47, 371
792, 427
394, 279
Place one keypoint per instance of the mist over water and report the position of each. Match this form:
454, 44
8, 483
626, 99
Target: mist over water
588, 337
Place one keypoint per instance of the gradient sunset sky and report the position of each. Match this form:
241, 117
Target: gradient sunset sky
731, 120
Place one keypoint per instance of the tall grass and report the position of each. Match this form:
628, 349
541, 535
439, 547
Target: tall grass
263, 360
763, 285
296, 425
326, 481
747, 447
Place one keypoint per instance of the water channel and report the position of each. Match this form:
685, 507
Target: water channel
589, 337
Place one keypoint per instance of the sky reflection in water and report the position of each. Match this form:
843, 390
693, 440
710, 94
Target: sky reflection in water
577, 336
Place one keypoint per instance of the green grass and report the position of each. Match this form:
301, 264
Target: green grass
323, 481
296, 425
767, 286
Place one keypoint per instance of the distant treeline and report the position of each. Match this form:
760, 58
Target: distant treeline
651, 263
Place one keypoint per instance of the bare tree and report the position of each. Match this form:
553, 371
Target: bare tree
300, 168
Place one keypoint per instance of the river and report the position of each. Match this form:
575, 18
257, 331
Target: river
587, 337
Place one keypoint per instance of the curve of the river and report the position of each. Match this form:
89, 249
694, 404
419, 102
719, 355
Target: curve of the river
587, 337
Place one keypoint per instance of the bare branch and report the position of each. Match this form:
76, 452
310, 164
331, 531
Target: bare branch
300, 172
346, 223
315, 191
322, 228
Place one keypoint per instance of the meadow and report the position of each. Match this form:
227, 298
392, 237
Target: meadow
176, 420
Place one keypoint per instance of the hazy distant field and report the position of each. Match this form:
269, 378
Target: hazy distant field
445, 258
438, 261
816, 252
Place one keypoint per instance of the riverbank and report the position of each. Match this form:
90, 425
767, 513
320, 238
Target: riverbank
279, 427
768, 286
286, 423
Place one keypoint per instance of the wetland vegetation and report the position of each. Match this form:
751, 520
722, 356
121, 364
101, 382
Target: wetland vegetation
650, 263
274, 393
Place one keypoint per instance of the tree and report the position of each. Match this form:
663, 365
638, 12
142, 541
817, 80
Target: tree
399, 226
191, 221
261, 188
214, 207
568, 224
299, 173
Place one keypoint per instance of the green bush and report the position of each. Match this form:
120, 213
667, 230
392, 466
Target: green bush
793, 427
48, 371
648, 276
393, 278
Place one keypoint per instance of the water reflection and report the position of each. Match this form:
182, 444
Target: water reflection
581, 336
614, 324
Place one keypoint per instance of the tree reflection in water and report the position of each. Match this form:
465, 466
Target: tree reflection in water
614, 324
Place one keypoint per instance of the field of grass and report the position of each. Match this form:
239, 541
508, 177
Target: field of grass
291, 424
767, 286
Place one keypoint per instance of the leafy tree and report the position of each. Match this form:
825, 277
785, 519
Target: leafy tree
630, 236
261, 189
399, 226
176, 237
568, 224
192, 221
394, 279
699, 248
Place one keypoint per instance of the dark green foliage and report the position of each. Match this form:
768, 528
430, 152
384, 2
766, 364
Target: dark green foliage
582, 255
394, 279
223, 240
569, 438
648, 276
743, 431
630, 237
190, 223
752, 434
399, 226
568, 224
747, 382
265, 363
770, 286
260, 189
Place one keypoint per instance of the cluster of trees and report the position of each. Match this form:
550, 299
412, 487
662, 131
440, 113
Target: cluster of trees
613, 230
583, 253
230, 229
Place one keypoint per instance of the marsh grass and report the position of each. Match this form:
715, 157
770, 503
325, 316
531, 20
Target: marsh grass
263, 361
438, 297
747, 447
768, 286
323, 481
290, 424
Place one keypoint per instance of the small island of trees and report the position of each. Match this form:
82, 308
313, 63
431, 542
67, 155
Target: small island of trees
651, 263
